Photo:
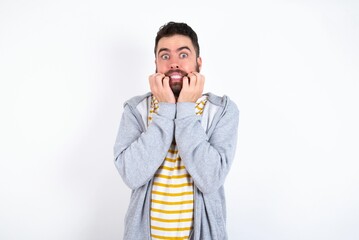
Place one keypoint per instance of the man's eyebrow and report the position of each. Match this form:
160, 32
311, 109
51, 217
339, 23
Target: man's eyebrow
178, 50
163, 50
184, 47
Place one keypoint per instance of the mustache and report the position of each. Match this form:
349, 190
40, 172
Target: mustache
183, 73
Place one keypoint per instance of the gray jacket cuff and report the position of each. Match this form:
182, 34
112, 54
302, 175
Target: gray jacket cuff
167, 110
185, 109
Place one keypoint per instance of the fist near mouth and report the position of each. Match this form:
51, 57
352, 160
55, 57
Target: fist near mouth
160, 88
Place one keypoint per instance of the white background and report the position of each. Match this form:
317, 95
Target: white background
66, 67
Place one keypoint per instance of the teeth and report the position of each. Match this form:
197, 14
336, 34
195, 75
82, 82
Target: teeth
176, 77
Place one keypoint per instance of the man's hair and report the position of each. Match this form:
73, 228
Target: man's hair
173, 28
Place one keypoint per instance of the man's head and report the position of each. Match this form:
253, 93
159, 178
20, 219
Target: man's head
177, 53
173, 28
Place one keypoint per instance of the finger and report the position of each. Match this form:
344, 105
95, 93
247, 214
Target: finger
191, 79
166, 82
153, 77
185, 82
159, 79
151, 80
199, 78
203, 82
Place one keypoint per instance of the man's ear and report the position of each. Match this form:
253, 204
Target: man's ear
199, 63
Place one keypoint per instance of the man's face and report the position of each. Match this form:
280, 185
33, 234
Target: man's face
176, 57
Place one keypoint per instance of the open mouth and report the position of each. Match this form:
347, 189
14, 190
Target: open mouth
176, 75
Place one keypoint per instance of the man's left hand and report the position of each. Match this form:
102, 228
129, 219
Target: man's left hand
192, 87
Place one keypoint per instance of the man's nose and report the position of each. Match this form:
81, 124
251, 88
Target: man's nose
174, 66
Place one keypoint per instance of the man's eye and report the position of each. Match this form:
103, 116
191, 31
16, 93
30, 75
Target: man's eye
183, 55
165, 57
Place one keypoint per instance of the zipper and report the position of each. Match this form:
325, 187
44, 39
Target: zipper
194, 211
149, 210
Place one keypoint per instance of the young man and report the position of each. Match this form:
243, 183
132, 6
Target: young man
175, 146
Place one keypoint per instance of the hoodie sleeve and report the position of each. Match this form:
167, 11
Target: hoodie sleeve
138, 153
207, 159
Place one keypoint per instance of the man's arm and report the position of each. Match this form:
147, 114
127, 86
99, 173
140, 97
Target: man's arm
207, 160
139, 154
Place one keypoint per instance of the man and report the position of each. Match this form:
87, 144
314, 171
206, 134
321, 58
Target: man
175, 146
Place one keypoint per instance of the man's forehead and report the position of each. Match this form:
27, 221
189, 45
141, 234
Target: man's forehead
175, 43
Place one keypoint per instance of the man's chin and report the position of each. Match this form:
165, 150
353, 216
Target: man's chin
176, 89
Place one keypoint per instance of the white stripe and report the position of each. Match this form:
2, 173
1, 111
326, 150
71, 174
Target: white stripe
169, 234
173, 180
171, 216
172, 190
172, 173
173, 199
171, 225
172, 207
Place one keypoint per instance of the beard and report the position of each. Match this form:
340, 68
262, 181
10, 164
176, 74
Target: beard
176, 84
176, 89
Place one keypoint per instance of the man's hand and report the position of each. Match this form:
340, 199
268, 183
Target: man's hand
192, 87
160, 88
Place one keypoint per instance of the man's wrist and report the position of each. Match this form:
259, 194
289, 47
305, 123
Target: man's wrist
167, 110
186, 109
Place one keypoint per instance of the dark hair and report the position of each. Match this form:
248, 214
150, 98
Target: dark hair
173, 28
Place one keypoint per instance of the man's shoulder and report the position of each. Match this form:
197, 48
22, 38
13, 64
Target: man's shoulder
222, 101
135, 100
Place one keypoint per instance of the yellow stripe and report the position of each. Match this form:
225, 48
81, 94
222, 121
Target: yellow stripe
199, 108
169, 177
172, 185
171, 212
172, 194
173, 151
169, 238
171, 229
172, 160
172, 168
171, 220
172, 203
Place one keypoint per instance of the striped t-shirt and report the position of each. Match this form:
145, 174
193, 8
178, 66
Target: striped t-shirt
172, 191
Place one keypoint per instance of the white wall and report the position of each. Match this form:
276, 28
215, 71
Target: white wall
66, 67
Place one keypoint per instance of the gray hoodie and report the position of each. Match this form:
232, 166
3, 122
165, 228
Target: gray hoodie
206, 145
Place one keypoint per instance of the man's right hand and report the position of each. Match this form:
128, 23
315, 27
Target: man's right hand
160, 88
